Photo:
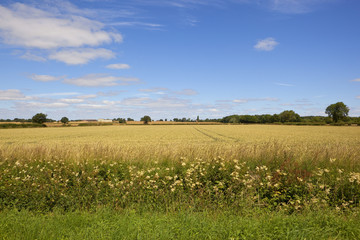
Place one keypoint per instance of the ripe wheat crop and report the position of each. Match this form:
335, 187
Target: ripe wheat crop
171, 167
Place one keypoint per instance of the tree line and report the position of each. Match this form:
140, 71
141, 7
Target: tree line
337, 114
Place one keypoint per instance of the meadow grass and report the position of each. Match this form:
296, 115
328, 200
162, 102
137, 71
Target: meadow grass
109, 224
214, 172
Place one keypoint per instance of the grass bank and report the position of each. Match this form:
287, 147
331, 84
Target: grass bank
109, 224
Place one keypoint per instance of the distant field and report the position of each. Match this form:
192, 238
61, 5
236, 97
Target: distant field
186, 169
142, 143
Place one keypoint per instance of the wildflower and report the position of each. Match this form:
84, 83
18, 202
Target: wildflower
332, 160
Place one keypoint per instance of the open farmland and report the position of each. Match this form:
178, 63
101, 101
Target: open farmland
143, 143
196, 168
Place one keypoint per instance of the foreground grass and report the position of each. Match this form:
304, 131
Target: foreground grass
109, 224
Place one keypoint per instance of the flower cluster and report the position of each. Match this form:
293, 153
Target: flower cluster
43, 185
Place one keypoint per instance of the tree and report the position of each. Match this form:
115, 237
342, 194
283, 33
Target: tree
39, 118
64, 120
146, 119
337, 111
289, 116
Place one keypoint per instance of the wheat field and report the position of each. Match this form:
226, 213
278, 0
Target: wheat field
143, 143
180, 167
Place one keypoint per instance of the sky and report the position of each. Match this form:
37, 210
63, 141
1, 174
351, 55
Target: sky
90, 59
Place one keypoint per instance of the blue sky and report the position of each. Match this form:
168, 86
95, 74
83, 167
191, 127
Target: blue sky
178, 58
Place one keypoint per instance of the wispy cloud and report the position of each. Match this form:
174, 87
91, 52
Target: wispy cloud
187, 92
284, 84
158, 90
72, 100
45, 78
28, 55
56, 94
267, 44
109, 94
12, 94
294, 6
246, 100
87, 96
356, 80
118, 66
101, 80
81, 56
147, 25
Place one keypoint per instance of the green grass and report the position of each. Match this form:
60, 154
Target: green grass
109, 224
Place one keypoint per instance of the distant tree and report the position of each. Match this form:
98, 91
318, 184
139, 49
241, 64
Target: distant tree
39, 118
146, 119
120, 120
130, 120
64, 120
337, 111
289, 116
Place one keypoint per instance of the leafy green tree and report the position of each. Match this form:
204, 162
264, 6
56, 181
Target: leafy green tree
39, 118
337, 111
289, 116
146, 119
64, 120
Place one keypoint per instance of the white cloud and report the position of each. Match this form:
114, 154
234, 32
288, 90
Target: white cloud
158, 90
87, 96
267, 44
131, 24
72, 100
26, 26
240, 100
294, 6
356, 80
246, 100
100, 80
45, 78
33, 57
109, 93
45, 105
94, 106
118, 66
56, 94
12, 94
81, 56
358, 97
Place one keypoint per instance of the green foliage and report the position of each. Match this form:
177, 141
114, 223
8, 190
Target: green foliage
146, 119
337, 111
180, 224
39, 118
45, 185
289, 116
64, 120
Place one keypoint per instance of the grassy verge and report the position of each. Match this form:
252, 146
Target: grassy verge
109, 224
219, 183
